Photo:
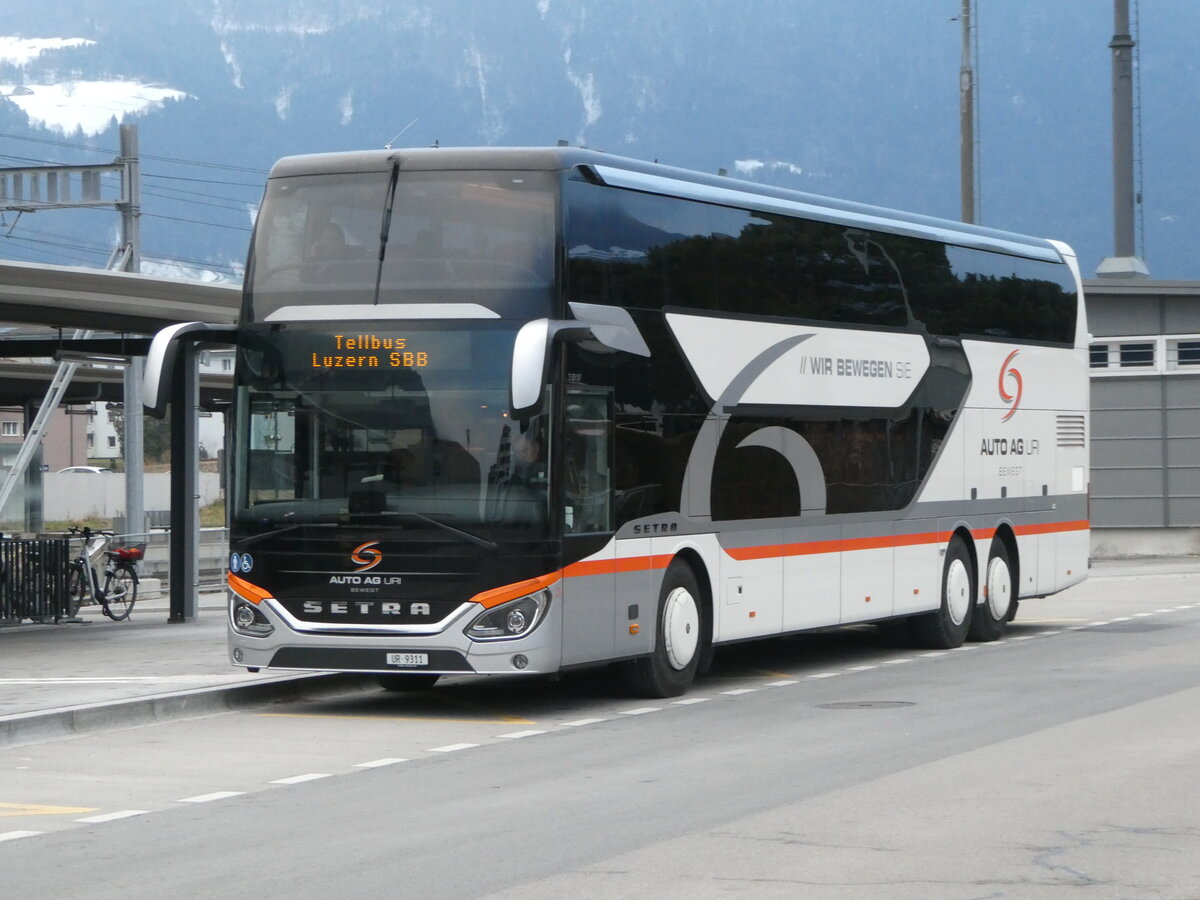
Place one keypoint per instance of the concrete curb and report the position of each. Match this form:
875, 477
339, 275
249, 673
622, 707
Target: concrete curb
71, 721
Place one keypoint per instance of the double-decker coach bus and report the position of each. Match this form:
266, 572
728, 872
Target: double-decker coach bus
522, 410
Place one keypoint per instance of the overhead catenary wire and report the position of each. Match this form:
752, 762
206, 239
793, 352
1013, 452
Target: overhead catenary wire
164, 197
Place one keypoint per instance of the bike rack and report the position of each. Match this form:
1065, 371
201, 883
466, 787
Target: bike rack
33, 580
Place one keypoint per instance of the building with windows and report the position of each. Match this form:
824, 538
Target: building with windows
103, 441
1145, 455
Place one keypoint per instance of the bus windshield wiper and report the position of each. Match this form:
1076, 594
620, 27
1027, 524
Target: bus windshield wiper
420, 517
254, 539
465, 535
385, 226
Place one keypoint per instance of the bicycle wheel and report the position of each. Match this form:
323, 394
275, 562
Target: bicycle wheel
77, 588
120, 592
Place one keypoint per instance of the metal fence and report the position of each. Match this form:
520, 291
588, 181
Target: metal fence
33, 579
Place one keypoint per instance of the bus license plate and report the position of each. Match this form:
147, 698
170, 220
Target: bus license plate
408, 659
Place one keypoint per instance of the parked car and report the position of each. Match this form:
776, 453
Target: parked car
95, 470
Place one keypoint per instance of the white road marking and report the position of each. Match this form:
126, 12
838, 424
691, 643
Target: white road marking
641, 710
17, 835
208, 798
738, 691
690, 701
112, 816
451, 748
300, 779
376, 763
516, 735
783, 682
579, 722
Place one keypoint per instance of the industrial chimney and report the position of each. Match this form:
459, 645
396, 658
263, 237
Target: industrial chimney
1124, 263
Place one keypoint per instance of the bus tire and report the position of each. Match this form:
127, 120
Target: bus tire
408, 681
991, 617
947, 626
680, 639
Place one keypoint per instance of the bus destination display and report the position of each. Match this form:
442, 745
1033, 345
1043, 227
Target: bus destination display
369, 351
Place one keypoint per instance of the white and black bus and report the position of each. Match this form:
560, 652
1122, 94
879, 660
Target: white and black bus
522, 410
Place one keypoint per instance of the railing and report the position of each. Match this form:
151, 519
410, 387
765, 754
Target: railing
33, 579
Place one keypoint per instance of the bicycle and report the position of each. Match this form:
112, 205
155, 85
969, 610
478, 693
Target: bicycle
119, 592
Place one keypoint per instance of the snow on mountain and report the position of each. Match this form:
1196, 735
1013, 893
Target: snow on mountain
86, 107
75, 105
19, 51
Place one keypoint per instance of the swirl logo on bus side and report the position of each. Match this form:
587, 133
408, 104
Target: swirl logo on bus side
1009, 374
366, 556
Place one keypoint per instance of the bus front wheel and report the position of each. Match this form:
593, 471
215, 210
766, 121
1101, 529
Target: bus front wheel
947, 626
680, 639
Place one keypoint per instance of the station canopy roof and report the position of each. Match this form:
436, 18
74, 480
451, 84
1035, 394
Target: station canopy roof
42, 304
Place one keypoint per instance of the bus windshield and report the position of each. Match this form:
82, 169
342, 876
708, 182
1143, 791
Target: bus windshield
481, 237
390, 426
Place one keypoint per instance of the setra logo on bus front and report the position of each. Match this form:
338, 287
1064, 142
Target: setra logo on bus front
366, 556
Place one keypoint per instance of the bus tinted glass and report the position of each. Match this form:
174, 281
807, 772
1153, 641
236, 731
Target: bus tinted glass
478, 237
390, 426
645, 251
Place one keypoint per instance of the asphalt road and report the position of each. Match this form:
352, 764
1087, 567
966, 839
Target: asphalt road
1063, 761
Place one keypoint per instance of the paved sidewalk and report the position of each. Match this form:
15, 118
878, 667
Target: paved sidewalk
58, 680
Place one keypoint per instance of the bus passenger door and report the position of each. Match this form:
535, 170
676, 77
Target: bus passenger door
585, 470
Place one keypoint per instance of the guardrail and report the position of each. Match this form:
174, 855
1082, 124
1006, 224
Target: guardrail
33, 579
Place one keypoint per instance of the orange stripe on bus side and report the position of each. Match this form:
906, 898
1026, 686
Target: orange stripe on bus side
617, 566
1053, 527
771, 551
244, 588
496, 596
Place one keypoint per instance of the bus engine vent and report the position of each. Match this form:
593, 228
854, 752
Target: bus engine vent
1072, 431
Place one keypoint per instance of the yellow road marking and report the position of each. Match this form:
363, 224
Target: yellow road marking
36, 809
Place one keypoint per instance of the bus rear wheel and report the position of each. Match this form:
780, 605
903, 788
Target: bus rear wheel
947, 626
990, 618
680, 639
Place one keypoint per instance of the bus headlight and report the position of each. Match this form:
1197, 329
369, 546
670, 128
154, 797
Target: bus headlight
249, 620
511, 620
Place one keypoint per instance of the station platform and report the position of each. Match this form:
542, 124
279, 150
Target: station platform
70, 678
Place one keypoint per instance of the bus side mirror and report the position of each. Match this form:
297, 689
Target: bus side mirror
532, 354
164, 353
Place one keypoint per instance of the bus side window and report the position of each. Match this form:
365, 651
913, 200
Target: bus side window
587, 462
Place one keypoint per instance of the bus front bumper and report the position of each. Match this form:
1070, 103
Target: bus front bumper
446, 652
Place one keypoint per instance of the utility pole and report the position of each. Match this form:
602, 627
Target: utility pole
1124, 263
134, 441
966, 116
31, 189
